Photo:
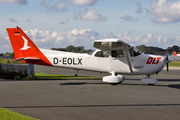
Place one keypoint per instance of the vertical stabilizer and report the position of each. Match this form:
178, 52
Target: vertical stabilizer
24, 49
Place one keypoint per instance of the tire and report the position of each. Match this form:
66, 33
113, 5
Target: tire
113, 83
150, 84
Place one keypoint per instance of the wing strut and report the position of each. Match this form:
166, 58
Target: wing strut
128, 60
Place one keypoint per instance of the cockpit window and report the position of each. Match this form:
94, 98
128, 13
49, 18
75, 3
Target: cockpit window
102, 54
134, 52
99, 54
118, 53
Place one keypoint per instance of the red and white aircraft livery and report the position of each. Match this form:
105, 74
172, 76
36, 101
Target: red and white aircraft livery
112, 56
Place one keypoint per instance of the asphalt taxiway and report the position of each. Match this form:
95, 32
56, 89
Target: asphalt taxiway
93, 99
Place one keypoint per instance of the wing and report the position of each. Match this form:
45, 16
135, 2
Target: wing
27, 58
110, 44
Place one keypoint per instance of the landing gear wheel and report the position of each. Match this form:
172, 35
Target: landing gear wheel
113, 83
150, 84
148, 80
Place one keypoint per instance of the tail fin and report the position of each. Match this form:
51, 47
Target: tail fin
24, 49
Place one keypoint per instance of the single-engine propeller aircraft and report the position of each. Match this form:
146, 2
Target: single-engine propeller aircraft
112, 56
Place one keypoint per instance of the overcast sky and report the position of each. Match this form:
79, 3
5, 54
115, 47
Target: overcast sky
59, 23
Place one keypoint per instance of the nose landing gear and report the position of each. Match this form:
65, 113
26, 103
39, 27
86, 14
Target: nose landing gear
148, 80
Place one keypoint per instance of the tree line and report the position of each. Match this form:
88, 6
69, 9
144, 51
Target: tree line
7, 54
157, 50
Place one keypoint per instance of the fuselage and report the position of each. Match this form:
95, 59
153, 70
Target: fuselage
140, 64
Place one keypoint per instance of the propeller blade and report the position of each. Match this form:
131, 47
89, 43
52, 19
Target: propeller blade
167, 55
167, 64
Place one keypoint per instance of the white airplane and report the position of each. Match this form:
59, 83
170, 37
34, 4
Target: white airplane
112, 56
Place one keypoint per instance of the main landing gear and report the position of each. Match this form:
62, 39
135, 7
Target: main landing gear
148, 80
116, 83
114, 79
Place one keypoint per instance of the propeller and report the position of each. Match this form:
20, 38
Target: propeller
167, 64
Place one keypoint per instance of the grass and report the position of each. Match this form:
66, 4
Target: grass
41, 76
174, 64
6, 114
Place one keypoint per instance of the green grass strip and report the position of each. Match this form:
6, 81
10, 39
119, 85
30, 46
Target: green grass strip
174, 64
6, 114
51, 76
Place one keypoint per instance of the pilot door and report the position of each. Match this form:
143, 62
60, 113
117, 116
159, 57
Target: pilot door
119, 61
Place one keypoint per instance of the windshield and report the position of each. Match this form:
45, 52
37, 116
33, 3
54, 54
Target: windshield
137, 50
134, 52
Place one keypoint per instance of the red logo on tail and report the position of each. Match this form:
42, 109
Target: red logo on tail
25, 44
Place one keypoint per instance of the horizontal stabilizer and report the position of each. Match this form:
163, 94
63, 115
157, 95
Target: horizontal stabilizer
27, 58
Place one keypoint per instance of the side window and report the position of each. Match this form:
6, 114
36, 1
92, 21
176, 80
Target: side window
118, 53
102, 54
99, 54
106, 53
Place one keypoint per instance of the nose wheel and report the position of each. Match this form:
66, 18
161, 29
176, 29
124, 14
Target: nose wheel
148, 80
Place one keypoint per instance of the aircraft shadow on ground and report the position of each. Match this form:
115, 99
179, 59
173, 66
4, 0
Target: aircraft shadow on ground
166, 80
84, 106
169, 80
80, 83
74, 83
176, 86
